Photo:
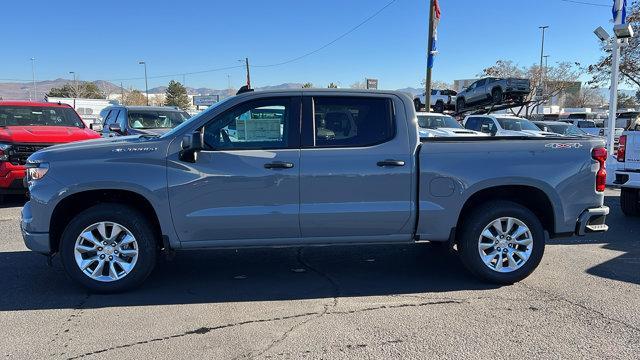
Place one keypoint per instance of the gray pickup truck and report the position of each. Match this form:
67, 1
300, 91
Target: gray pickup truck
308, 167
493, 90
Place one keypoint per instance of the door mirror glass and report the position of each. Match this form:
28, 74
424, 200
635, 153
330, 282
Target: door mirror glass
191, 144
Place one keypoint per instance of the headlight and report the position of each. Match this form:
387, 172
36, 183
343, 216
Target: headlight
36, 171
4, 151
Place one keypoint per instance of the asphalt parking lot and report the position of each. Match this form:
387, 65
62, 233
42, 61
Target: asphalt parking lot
377, 302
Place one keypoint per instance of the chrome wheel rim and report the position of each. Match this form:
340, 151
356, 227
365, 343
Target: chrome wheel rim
106, 251
505, 244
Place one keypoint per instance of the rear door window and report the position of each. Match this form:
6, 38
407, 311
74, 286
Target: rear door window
472, 123
350, 122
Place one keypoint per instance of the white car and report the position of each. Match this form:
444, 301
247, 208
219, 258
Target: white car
440, 100
504, 125
628, 172
439, 125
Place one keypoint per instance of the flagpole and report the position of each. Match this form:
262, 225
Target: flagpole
427, 85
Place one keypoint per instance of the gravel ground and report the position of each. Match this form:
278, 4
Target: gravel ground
372, 302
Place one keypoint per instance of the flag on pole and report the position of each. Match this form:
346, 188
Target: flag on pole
434, 40
619, 8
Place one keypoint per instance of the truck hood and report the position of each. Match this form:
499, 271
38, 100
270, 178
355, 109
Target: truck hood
45, 134
102, 148
448, 132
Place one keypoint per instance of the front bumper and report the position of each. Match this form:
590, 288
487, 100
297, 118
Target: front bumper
592, 220
35, 241
11, 178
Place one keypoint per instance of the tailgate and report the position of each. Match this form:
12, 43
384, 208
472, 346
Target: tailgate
632, 156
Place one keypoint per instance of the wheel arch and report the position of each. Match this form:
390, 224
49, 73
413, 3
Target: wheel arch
77, 202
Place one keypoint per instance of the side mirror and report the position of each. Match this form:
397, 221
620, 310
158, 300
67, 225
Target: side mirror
191, 144
116, 129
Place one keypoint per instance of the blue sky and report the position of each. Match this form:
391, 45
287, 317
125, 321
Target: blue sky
105, 39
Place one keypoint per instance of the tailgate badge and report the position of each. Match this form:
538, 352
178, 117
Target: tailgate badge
563, 145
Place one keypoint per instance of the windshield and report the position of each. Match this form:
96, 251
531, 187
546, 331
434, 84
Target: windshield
195, 117
565, 129
517, 124
155, 119
439, 121
39, 116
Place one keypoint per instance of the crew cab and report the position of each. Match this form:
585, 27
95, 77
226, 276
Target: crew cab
492, 90
308, 167
628, 172
504, 125
26, 127
136, 120
440, 100
438, 125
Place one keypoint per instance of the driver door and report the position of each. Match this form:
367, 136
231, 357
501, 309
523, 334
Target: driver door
245, 185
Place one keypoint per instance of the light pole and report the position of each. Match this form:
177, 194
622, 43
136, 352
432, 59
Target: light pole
75, 84
33, 75
246, 61
544, 71
543, 28
146, 84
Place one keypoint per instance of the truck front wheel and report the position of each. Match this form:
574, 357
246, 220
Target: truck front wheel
630, 201
501, 242
108, 248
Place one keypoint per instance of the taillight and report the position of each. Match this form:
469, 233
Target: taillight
600, 155
622, 148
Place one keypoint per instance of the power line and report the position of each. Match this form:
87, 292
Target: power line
585, 3
332, 41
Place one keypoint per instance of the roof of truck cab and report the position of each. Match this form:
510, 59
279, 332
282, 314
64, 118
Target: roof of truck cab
32, 103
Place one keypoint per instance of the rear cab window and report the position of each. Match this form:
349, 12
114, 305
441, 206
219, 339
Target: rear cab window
348, 121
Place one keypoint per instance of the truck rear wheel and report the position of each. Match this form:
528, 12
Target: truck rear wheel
108, 248
460, 105
496, 95
630, 201
501, 242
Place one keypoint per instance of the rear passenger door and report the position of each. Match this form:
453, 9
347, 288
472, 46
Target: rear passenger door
356, 170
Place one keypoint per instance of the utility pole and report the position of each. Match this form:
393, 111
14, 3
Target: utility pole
427, 85
146, 84
618, 7
33, 75
76, 90
543, 28
246, 60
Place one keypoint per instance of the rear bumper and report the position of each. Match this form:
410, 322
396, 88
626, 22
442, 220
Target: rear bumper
630, 179
592, 220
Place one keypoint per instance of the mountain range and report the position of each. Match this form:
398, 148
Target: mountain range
23, 91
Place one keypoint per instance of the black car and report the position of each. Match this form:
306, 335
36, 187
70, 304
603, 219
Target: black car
132, 120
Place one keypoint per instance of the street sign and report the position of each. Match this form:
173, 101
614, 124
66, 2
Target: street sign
372, 84
205, 100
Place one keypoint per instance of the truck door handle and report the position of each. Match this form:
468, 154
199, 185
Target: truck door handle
278, 165
390, 162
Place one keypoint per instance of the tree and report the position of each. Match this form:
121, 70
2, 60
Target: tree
134, 97
437, 84
332, 86
82, 89
629, 56
556, 80
307, 85
358, 85
176, 95
587, 97
626, 101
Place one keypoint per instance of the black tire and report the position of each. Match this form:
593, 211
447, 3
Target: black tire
630, 201
474, 224
126, 216
417, 104
460, 105
439, 107
496, 96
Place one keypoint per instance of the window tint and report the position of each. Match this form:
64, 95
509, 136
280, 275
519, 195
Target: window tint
480, 82
472, 123
122, 119
111, 117
352, 121
260, 124
488, 125
39, 116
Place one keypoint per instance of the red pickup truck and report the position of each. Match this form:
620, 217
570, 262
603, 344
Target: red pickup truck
26, 127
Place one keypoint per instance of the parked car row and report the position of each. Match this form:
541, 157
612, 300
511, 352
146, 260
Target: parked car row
628, 172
